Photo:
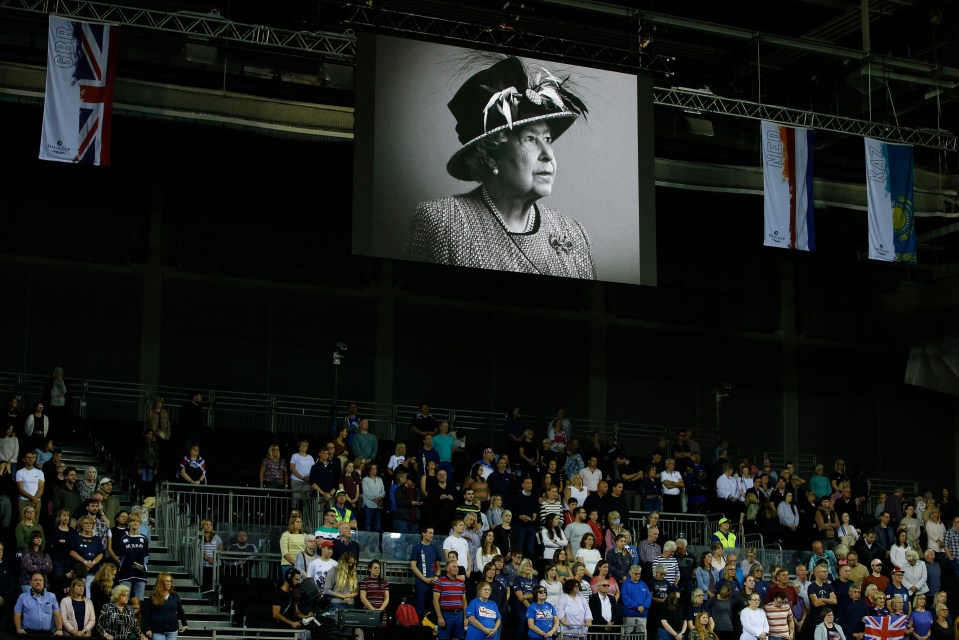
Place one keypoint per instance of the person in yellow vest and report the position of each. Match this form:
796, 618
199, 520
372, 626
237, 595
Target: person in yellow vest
723, 536
343, 514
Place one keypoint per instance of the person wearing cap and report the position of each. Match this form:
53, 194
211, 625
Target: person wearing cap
486, 462
724, 536
897, 589
341, 512
508, 117
318, 568
110, 505
876, 577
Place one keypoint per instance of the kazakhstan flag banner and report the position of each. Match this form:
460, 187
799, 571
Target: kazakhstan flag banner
892, 229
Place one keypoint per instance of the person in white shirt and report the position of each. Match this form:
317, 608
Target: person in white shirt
753, 619
672, 482
29, 483
591, 475
300, 465
318, 568
459, 544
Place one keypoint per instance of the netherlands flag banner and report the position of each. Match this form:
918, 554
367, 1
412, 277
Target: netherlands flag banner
787, 187
892, 228
78, 105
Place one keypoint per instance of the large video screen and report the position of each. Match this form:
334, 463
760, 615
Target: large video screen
484, 160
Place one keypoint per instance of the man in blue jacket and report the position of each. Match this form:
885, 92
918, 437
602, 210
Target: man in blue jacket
636, 599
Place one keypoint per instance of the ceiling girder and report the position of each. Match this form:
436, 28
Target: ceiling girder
702, 102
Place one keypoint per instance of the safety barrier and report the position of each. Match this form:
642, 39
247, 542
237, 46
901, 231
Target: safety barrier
695, 528
243, 633
280, 413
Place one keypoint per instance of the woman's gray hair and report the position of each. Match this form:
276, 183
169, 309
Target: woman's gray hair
669, 546
119, 590
912, 555
479, 160
659, 568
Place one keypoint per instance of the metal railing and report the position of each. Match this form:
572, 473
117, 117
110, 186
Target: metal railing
695, 528
805, 462
264, 633
281, 413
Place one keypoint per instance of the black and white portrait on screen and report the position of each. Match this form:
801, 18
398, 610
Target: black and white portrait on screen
498, 162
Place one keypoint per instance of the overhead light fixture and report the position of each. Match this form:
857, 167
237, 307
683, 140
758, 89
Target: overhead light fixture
699, 126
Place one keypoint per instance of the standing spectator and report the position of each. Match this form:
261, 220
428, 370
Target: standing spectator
56, 395
483, 616
88, 485
29, 483
35, 559
300, 465
541, 618
193, 467
9, 450
443, 442
423, 422
672, 483
373, 494
117, 620
162, 614
365, 445
87, 550
636, 599
26, 529
779, 615
212, 544
375, 591
573, 611
513, 428
191, 420
292, 541
148, 461
525, 509
134, 549
449, 603
424, 562
77, 611
36, 428
158, 421
273, 469
37, 610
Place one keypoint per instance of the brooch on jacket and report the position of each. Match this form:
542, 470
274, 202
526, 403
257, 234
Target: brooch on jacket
561, 244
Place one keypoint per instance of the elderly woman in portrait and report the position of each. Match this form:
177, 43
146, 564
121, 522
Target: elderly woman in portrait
507, 118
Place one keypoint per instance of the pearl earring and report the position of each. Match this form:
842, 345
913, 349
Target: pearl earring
495, 171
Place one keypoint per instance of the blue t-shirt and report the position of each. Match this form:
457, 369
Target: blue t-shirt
903, 593
542, 617
426, 557
487, 613
762, 588
526, 585
824, 591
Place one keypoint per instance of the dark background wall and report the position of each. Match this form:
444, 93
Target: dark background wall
257, 284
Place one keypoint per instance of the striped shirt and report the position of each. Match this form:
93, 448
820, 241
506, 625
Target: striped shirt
452, 593
376, 590
778, 618
672, 568
546, 507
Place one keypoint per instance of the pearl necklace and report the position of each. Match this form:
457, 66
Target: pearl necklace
530, 217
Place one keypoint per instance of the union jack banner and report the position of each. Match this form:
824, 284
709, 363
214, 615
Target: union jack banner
78, 105
885, 627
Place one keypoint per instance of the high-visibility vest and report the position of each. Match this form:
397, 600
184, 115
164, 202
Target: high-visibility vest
728, 540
